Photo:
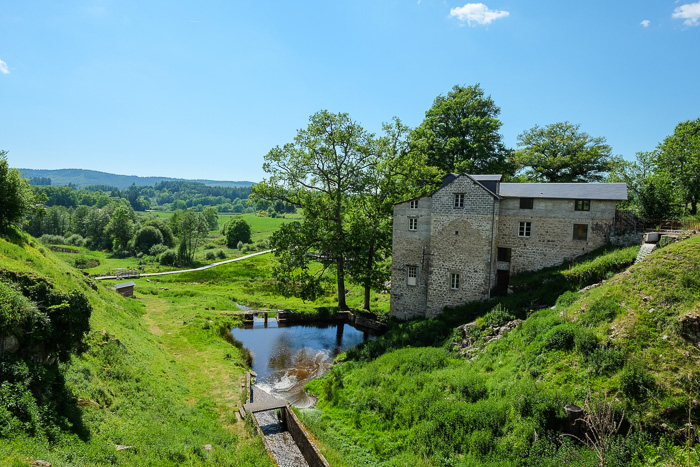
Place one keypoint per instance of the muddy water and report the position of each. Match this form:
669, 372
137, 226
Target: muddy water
286, 358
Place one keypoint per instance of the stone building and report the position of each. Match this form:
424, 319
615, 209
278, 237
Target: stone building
463, 242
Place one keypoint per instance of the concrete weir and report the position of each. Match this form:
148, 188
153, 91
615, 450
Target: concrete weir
286, 440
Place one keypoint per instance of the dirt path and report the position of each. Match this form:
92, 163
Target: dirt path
208, 266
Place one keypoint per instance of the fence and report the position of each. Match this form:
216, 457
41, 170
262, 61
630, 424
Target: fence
629, 221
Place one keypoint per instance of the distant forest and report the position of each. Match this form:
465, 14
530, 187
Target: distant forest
80, 178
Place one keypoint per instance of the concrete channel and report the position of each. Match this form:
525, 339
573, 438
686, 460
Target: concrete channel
285, 437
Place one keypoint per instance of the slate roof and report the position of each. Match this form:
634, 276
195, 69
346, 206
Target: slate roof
606, 191
124, 285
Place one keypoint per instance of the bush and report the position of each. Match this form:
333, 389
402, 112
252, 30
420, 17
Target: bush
240, 245
605, 361
237, 231
146, 238
83, 262
498, 316
75, 240
157, 249
635, 380
221, 254
168, 258
585, 341
560, 337
210, 256
49, 239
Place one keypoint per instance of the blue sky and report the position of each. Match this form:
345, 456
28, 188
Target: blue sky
206, 89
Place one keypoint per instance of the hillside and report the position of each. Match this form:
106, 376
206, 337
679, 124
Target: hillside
493, 391
143, 388
82, 177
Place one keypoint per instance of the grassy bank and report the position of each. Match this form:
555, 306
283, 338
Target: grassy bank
145, 379
409, 398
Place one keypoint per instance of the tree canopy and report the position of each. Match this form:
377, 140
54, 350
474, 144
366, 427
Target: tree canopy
679, 157
237, 230
16, 196
560, 152
460, 133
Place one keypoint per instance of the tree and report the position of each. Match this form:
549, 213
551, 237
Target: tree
398, 174
561, 153
212, 217
460, 133
237, 230
146, 237
679, 157
320, 171
16, 196
192, 228
120, 227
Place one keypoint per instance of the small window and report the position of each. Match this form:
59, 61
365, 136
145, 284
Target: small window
582, 205
412, 223
454, 281
503, 254
459, 200
525, 229
414, 204
412, 275
580, 231
527, 203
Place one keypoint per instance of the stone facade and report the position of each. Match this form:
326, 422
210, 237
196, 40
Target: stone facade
463, 242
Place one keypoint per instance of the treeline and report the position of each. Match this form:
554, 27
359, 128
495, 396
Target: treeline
164, 196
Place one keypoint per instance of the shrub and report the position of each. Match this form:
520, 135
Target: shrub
221, 254
605, 361
210, 256
157, 249
635, 380
585, 341
146, 238
75, 240
237, 231
83, 262
168, 258
49, 239
240, 245
560, 337
498, 316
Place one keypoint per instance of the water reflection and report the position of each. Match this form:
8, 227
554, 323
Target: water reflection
286, 358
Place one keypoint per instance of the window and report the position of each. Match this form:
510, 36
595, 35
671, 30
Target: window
580, 231
459, 200
454, 281
527, 203
582, 205
525, 229
412, 223
503, 254
414, 204
412, 275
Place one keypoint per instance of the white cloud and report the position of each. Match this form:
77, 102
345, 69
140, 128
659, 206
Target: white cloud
477, 13
690, 12
3, 68
645, 23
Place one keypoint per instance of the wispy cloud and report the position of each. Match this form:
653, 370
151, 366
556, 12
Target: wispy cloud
477, 13
690, 12
645, 23
3, 68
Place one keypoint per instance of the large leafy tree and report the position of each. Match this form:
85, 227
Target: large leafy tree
460, 133
238, 230
679, 157
320, 171
560, 152
192, 229
398, 174
16, 196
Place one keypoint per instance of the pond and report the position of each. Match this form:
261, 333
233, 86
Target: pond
289, 356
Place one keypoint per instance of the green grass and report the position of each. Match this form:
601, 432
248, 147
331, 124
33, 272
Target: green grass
150, 379
408, 399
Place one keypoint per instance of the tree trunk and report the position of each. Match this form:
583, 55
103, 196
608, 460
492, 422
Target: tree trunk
370, 264
341, 284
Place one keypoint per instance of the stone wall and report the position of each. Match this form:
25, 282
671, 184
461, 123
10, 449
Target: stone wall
551, 240
410, 248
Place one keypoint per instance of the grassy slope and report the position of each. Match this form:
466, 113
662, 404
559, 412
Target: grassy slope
165, 387
392, 404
